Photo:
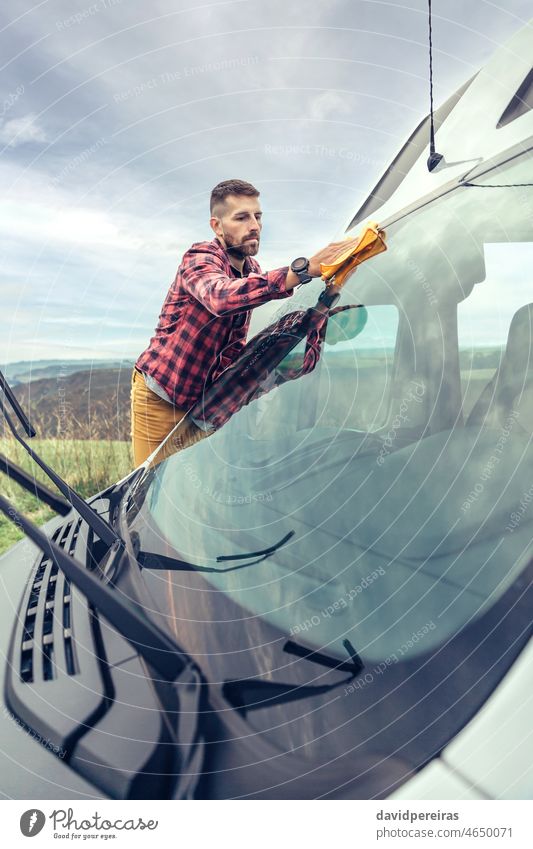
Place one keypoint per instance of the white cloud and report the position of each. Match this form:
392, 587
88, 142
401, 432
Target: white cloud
18, 131
329, 104
36, 212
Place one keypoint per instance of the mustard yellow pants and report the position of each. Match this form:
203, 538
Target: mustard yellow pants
152, 419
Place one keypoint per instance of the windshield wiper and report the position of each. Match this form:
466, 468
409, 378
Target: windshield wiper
93, 519
253, 693
128, 618
355, 667
263, 554
151, 560
31, 484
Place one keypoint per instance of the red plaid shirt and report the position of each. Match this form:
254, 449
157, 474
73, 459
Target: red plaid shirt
204, 320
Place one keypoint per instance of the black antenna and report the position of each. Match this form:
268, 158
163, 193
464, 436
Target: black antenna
434, 157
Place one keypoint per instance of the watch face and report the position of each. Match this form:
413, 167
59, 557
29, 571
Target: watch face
300, 264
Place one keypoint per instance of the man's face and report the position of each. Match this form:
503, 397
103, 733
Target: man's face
237, 223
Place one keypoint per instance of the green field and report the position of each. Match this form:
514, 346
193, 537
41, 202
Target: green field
88, 466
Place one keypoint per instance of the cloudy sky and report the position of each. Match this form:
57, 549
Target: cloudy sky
117, 117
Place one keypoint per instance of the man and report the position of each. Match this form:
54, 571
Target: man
205, 317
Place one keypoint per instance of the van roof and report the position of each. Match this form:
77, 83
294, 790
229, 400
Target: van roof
488, 115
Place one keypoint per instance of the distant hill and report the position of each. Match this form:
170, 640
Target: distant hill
83, 405
30, 370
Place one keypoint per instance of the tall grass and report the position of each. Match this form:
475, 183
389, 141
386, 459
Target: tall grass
87, 465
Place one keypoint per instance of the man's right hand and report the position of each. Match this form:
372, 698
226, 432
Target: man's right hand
326, 256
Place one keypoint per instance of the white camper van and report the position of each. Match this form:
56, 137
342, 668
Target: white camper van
330, 597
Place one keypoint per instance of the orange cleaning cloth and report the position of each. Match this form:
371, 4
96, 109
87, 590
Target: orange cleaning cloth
357, 250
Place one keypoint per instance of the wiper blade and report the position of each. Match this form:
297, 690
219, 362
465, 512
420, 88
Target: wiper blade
147, 639
99, 525
263, 554
150, 560
31, 484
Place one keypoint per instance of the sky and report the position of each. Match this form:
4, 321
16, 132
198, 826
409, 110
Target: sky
117, 118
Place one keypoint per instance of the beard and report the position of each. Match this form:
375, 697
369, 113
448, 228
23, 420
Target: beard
241, 249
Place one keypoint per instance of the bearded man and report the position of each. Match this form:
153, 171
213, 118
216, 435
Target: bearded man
205, 318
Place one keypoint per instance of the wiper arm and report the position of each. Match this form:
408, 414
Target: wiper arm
99, 525
147, 638
17, 409
31, 484
254, 693
355, 667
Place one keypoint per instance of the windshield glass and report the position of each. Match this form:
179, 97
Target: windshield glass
379, 488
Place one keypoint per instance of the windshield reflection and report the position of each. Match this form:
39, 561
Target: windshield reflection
265, 364
394, 464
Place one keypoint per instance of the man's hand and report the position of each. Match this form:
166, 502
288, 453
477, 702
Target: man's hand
326, 255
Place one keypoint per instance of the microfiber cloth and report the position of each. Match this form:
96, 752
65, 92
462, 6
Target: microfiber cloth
357, 250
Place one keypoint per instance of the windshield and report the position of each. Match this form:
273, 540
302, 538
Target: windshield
389, 480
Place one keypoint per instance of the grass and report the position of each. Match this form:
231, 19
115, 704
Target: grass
87, 465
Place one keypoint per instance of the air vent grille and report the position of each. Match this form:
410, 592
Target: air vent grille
48, 615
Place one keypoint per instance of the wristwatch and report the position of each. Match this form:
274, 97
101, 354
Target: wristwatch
300, 267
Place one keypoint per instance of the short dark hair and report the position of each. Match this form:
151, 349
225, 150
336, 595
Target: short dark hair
231, 187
